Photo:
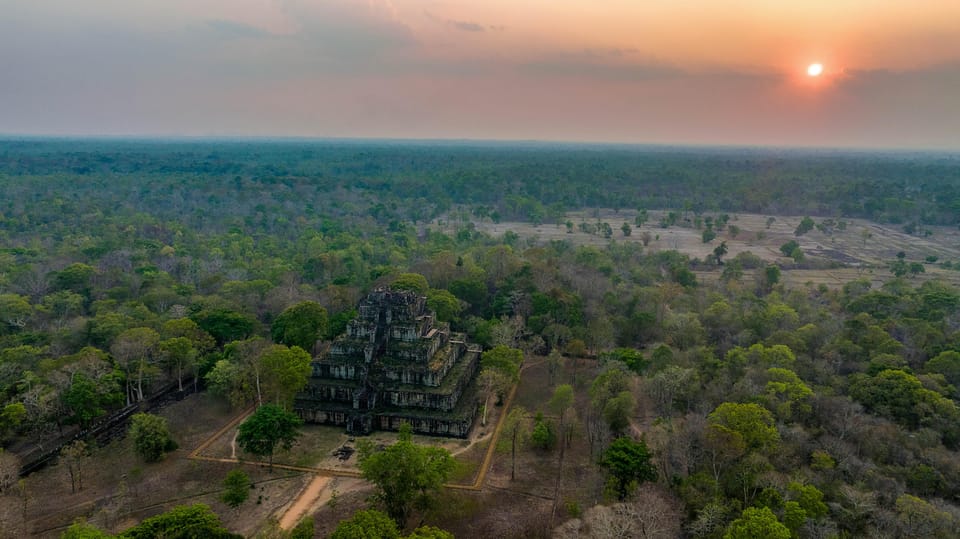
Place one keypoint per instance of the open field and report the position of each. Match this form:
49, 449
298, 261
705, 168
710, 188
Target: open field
119, 489
864, 248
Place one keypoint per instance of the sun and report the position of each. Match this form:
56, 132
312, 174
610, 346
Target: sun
815, 70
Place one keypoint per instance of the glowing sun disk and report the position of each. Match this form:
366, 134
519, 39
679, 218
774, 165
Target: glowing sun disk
814, 70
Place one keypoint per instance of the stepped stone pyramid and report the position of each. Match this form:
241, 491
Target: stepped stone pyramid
393, 365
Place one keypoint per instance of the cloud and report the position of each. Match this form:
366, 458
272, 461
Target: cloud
467, 26
232, 29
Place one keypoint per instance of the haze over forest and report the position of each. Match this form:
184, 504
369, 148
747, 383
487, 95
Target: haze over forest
425, 269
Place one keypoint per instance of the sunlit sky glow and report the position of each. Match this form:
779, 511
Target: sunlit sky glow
648, 71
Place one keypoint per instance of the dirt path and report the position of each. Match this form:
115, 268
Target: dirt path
298, 509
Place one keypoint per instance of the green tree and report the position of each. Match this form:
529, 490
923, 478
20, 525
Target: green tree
179, 356
81, 529
270, 426
15, 312
236, 488
224, 325
367, 524
787, 394
283, 372
755, 523
444, 304
407, 475
810, 499
228, 380
628, 463
74, 456
771, 276
542, 436
11, 417
181, 522
946, 363
135, 351
788, 248
429, 532
503, 359
513, 429
75, 278
491, 382
752, 422
719, 252
413, 282
806, 225
151, 436
300, 325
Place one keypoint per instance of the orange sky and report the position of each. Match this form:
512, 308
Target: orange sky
658, 71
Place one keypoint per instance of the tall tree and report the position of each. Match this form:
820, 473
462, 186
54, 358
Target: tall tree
135, 350
407, 475
757, 522
179, 356
629, 464
270, 426
284, 372
151, 436
300, 325
514, 427
74, 456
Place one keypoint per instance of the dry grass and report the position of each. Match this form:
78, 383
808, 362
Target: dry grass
863, 244
119, 489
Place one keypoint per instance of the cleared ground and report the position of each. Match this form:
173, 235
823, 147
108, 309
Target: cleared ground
864, 248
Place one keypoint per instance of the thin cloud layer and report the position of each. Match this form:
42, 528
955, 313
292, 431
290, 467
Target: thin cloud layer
599, 71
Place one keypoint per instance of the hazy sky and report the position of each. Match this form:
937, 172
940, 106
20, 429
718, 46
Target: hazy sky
655, 71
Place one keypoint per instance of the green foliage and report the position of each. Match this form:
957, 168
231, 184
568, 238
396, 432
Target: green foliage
229, 381
444, 304
542, 436
408, 476
787, 394
283, 372
80, 529
224, 325
793, 516
151, 436
806, 225
300, 325
269, 426
367, 524
413, 282
236, 488
946, 363
181, 522
303, 529
628, 463
810, 499
631, 357
788, 248
752, 422
504, 360
11, 417
901, 396
429, 532
755, 523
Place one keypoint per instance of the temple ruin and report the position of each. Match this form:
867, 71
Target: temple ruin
393, 365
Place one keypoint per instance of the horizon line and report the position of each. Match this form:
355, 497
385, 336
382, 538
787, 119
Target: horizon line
419, 141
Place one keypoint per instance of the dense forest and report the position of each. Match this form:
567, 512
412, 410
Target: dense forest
810, 411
